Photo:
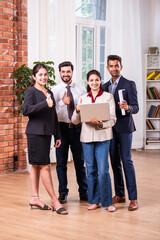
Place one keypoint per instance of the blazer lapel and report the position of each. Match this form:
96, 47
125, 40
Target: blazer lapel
107, 86
119, 86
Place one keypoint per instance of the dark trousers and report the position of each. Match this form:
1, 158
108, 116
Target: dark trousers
120, 151
70, 137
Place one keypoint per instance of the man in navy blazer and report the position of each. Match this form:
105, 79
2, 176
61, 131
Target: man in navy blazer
120, 146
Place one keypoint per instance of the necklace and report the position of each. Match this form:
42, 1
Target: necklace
42, 90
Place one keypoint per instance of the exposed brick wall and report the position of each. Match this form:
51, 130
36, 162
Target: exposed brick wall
13, 53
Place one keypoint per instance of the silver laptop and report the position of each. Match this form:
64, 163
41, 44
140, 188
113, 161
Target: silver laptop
100, 111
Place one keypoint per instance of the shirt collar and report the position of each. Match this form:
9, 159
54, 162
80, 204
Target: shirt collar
65, 85
116, 82
98, 95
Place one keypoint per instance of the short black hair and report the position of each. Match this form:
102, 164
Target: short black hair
65, 64
114, 57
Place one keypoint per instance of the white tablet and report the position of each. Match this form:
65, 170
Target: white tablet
100, 111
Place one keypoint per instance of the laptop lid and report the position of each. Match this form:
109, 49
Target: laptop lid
100, 111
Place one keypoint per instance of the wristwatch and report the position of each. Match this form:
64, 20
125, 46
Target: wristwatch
129, 109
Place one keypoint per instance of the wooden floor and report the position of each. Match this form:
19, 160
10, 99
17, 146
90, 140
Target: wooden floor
18, 222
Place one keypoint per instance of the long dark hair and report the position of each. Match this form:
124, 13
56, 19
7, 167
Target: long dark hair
93, 71
35, 70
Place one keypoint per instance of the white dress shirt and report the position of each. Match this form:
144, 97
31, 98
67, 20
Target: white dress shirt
112, 87
61, 108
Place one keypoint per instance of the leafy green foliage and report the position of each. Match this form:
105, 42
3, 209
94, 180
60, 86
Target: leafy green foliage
22, 77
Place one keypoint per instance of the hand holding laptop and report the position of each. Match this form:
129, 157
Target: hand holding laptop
93, 120
93, 112
96, 122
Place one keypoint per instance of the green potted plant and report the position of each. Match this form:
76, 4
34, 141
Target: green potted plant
22, 78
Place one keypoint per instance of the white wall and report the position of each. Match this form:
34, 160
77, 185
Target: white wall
145, 24
155, 34
150, 24
38, 31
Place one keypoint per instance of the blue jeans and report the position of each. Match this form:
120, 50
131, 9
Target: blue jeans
99, 182
70, 137
120, 151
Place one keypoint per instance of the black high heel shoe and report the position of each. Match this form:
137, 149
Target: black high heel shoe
60, 211
45, 207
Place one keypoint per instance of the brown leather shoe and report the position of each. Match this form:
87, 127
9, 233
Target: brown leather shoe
133, 205
117, 199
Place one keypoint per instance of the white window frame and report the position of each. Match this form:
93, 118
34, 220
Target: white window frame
89, 23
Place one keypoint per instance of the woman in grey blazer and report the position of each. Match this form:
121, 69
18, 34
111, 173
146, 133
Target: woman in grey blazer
39, 106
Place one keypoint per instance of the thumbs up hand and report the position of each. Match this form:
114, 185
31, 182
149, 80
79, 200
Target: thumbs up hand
66, 99
78, 106
49, 100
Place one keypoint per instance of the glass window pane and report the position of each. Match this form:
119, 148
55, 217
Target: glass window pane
90, 54
84, 8
102, 71
90, 67
100, 7
87, 51
90, 35
94, 9
84, 36
84, 71
102, 35
102, 53
84, 57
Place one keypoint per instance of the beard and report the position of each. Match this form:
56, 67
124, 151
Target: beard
66, 80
